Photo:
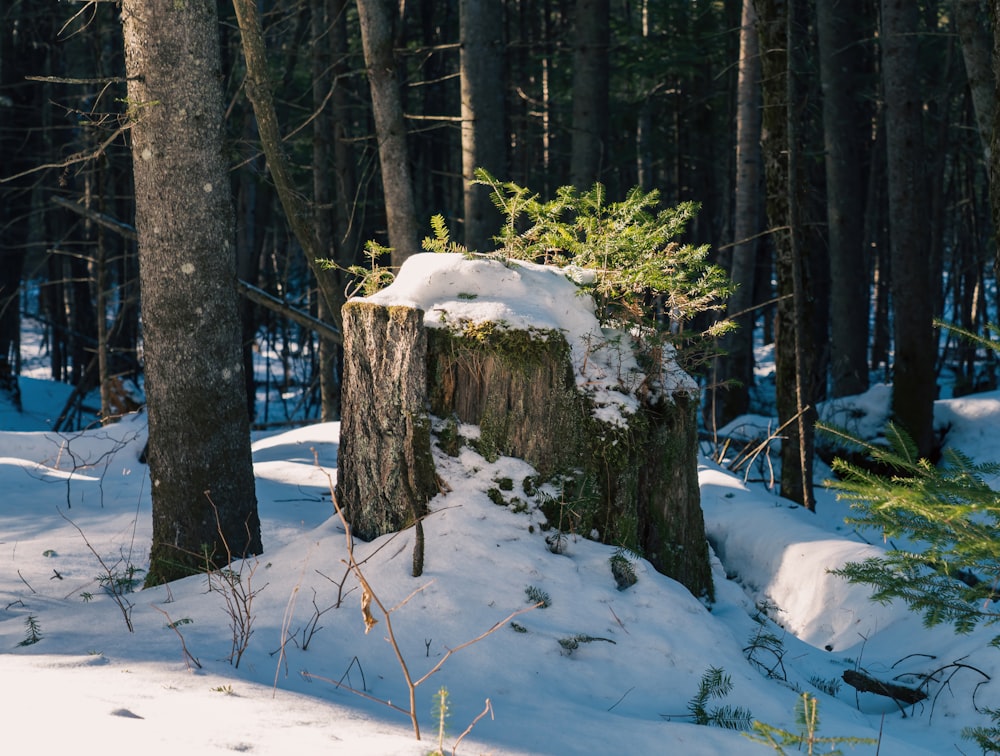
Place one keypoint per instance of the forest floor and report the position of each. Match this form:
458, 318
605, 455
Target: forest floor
598, 670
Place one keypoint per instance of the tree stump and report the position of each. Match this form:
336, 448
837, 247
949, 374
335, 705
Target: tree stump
385, 472
632, 484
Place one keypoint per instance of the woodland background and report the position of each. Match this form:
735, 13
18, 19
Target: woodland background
841, 154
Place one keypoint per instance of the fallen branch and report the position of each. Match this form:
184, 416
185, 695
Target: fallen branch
865, 683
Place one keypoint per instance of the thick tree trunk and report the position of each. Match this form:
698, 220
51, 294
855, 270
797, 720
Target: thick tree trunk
842, 71
636, 487
385, 473
483, 129
204, 505
591, 42
376, 18
913, 367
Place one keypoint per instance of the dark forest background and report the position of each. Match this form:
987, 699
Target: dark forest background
841, 154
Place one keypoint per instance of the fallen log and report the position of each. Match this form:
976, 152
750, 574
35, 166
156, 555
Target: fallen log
868, 684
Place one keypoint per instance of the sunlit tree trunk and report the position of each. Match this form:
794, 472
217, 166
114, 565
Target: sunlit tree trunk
201, 473
736, 366
377, 22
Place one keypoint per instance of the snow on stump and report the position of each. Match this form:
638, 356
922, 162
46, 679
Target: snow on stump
517, 351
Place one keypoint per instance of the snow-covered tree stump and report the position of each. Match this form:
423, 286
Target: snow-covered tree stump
624, 458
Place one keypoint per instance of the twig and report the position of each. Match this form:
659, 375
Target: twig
488, 709
189, 657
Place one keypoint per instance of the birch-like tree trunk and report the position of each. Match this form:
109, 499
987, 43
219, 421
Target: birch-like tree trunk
201, 472
377, 22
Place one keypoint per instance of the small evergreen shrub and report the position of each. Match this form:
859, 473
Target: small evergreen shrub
950, 508
807, 739
537, 596
716, 684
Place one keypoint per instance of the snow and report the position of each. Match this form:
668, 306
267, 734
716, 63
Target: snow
88, 682
455, 291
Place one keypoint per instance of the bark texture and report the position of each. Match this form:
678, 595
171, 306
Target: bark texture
913, 367
636, 486
483, 127
737, 365
843, 70
204, 505
376, 17
591, 80
385, 473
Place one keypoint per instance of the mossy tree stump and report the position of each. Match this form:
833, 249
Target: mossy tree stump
635, 484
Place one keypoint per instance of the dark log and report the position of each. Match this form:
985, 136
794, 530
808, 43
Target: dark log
868, 684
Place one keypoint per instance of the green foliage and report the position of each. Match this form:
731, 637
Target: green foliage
624, 253
367, 281
622, 569
572, 643
807, 738
950, 508
121, 581
441, 241
987, 738
32, 631
715, 683
441, 712
537, 596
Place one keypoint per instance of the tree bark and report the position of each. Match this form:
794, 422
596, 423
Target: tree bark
846, 128
636, 487
483, 124
385, 473
204, 505
592, 42
913, 367
735, 368
972, 21
376, 18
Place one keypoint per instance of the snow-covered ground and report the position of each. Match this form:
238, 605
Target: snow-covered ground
597, 671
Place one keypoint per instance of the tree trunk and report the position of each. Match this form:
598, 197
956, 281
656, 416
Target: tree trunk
736, 366
636, 487
591, 46
385, 473
376, 18
913, 367
846, 128
204, 505
972, 21
483, 123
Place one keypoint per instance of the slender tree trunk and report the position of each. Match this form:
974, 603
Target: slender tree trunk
846, 129
323, 215
913, 368
377, 22
483, 124
204, 505
592, 41
972, 21
736, 366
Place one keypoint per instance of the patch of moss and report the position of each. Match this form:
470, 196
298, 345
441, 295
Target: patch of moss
496, 497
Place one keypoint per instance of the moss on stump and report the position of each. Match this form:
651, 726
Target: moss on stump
635, 485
